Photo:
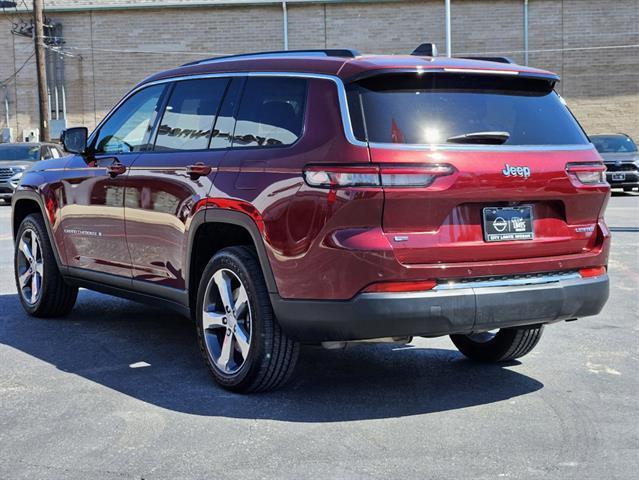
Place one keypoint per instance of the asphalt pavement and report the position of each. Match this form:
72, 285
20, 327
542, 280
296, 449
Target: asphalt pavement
117, 390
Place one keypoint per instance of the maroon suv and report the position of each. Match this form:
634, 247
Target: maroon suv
326, 197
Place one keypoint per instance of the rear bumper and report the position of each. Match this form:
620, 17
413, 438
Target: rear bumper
440, 312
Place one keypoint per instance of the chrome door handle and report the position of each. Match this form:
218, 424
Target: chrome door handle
198, 170
116, 168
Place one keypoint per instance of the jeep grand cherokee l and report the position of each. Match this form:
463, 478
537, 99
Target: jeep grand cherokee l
326, 197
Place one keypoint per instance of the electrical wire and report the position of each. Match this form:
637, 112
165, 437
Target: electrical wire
15, 74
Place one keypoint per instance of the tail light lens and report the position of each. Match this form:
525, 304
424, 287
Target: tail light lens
588, 173
343, 176
397, 287
592, 272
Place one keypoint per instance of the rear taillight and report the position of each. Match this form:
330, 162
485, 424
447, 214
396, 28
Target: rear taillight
588, 173
592, 272
343, 176
397, 287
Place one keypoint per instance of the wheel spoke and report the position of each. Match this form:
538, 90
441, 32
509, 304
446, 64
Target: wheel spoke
24, 279
225, 354
34, 288
223, 283
34, 247
241, 302
39, 268
242, 341
212, 320
24, 248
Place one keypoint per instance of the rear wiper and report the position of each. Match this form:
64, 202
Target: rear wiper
488, 138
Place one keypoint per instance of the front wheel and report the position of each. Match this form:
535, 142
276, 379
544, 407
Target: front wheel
243, 345
501, 346
42, 290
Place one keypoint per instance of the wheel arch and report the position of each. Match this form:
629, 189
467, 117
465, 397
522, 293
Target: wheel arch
213, 229
26, 202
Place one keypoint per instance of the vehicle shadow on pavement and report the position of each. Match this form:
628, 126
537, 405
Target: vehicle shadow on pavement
105, 339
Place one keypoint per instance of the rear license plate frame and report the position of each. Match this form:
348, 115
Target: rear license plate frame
508, 224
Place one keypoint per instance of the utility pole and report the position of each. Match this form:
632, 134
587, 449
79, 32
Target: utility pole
449, 42
38, 38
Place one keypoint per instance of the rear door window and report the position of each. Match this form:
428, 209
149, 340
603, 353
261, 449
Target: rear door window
446, 109
189, 116
271, 112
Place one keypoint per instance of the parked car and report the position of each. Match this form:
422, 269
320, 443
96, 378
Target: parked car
621, 158
324, 197
16, 158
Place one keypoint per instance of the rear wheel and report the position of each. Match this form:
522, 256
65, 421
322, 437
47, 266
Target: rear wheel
243, 345
499, 346
42, 290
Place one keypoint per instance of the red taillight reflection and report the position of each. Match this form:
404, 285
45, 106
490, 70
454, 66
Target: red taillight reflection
396, 287
592, 272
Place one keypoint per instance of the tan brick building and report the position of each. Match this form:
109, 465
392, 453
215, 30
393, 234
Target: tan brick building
112, 44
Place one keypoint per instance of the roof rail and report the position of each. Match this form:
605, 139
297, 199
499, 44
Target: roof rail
331, 52
491, 59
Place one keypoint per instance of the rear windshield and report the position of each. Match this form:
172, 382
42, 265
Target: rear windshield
613, 143
444, 108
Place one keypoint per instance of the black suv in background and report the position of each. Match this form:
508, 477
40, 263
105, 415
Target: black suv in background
620, 155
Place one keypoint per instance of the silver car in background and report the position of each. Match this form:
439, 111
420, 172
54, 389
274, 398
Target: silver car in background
16, 158
620, 155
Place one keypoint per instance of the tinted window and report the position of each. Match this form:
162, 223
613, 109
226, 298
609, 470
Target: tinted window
613, 143
225, 123
433, 108
129, 128
190, 114
271, 113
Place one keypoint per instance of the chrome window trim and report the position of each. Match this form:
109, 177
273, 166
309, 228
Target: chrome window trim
509, 282
341, 93
345, 115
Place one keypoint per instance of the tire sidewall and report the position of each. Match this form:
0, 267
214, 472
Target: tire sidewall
229, 259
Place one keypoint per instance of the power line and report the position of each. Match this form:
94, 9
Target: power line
15, 74
549, 50
501, 52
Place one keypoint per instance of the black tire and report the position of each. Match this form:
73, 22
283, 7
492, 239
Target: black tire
271, 355
56, 298
507, 344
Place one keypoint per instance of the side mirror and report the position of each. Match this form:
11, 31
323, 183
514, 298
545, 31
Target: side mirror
75, 139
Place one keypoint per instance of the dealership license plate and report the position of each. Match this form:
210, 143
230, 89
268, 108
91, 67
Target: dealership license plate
618, 177
502, 224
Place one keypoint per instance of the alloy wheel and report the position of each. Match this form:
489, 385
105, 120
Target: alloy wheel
227, 321
30, 266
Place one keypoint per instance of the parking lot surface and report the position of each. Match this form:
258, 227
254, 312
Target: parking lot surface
118, 390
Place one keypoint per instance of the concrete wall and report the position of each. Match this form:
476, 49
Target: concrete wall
114, 49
